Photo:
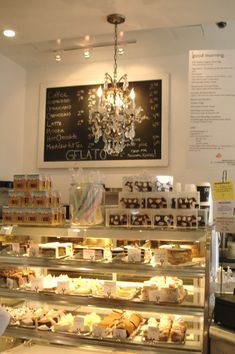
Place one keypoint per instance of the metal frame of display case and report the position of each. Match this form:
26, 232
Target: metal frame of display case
189, 235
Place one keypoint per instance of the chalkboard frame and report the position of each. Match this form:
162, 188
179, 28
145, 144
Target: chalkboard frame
163, 161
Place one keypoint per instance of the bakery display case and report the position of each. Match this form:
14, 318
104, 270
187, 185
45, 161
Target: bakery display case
134, 289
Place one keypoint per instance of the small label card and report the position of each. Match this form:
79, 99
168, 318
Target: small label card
107, 254
16, 247
33, 250
37, 284
8, 230
62, 286
154, 295
119, 333
78, 323
160, 256
110, 288
134, 255
99, 331
10, 283
89, 255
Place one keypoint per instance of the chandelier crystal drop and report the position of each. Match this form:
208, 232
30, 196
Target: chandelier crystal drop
114, 116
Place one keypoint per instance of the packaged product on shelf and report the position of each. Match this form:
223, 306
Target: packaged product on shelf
41, 199
56, 199
32, 216
163, 183
157, 200
163, 218
116, 217
16, 198
7, 216
37, 182
20, 182
131, 200
187, 218
202, 217
185, 200
127, 184
140, 217
142, 185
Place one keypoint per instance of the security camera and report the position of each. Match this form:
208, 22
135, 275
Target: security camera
221, 24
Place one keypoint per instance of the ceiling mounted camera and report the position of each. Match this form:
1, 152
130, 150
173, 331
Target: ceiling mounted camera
221, 24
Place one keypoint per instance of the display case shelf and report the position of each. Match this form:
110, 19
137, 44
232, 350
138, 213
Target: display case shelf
193, 235
75, 340
107, 267
65, 299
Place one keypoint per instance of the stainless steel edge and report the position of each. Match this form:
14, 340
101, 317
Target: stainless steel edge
70, 339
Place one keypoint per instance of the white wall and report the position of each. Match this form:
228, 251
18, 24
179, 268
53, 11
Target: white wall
12, 104
141, 68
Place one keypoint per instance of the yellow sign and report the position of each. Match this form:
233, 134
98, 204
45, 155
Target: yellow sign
223, 190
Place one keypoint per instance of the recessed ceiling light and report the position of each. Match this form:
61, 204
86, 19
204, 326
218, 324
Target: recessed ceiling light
9, 33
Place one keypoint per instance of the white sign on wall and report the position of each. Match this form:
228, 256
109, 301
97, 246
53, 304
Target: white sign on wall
211, 140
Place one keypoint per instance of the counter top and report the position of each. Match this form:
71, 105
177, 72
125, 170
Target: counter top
222, 333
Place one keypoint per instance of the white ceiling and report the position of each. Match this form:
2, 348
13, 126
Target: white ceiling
39, 23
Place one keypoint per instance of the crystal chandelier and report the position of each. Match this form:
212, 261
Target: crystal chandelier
114, 116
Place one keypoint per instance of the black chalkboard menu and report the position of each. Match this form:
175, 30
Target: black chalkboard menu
67, 132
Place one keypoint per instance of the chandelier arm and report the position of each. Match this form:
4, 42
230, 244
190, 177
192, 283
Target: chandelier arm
124, 77
108, 76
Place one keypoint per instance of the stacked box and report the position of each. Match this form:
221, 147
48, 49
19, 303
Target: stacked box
32, 201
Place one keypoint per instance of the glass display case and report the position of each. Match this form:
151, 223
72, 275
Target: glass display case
132, 289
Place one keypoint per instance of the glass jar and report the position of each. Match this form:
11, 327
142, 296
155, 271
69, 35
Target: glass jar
86, 200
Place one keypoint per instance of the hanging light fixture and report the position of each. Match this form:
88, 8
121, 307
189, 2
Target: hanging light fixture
114, 116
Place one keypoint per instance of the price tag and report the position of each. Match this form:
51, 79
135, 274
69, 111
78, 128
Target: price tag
110, 288
160, 256
8, 230
33, 250
10, 283
119, 333
99, 331
134, 255
154, 295
37, 284
74, 232
16, 247
62, 286
107, 254
3, 230
153, 333
89, 255
78, 323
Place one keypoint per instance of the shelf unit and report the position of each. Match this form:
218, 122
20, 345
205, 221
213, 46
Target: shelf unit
195, 310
